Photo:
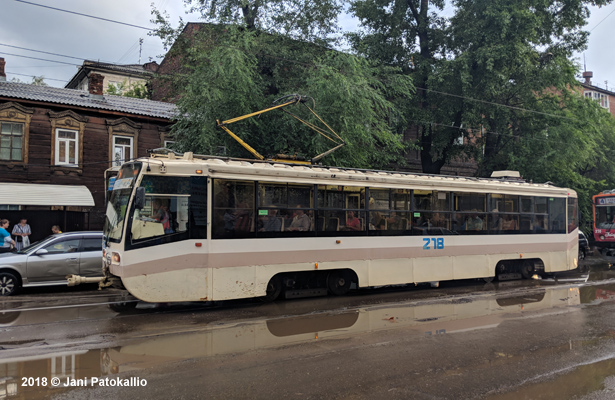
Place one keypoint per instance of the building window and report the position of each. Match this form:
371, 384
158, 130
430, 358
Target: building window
601, 98
122, 149
67, 147
67, 130
11, 141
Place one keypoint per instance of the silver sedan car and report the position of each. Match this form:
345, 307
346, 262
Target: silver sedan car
49, 261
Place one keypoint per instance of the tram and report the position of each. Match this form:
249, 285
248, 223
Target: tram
200, 228
604, 219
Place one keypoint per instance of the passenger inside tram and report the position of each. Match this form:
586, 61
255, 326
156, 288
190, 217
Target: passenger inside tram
352, 222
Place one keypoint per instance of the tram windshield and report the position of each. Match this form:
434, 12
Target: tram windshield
118, 201
605, 216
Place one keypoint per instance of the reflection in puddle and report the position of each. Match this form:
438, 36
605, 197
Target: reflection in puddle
54, 315
422, 319
591, 294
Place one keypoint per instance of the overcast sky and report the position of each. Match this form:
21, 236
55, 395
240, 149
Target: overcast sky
36, 28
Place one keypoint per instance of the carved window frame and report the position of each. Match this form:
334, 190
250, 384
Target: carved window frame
16, 113
70, 121
122, 127
165, 136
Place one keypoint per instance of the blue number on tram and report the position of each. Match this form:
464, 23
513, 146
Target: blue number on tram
438, 243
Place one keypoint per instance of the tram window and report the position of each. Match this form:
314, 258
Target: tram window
340, 211
503, 203
469, 223
340, 223
557, 215
527, 204
605, 215
472, 202
175, 209
341, 197
431, 223
233, 211
379, 199
540, 223
432, 200
526, 223
573, 215
401, 199
504, 223
540, 205
330, 196
302, 195
272, 194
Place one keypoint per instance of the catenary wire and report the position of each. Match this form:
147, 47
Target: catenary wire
84, 15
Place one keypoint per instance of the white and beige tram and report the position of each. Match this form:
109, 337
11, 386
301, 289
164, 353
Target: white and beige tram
202, 228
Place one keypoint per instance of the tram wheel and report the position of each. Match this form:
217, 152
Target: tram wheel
527, 269
488, 279
274, 289
338, 283
124, 306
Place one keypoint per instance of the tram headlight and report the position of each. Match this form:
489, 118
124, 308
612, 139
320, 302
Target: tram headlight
116, 257
601, 237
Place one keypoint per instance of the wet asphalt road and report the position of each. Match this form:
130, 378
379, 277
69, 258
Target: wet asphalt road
465, 340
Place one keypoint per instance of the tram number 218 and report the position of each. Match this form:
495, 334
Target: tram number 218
433, 243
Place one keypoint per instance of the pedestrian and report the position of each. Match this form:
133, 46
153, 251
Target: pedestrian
21, 231
55, 229
7, 243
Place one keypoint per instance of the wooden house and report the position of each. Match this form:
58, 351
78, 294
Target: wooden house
59, 136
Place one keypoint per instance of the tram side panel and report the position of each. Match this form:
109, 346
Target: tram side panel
242, 268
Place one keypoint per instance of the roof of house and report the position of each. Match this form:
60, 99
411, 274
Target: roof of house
81, 98
597, 89
135, 70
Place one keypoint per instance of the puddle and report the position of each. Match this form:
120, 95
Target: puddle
46, 315
578, 382
422, 319
594, 294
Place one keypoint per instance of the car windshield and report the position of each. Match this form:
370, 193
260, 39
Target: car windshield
118, 201
33, 246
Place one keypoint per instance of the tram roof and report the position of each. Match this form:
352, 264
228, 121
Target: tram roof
225, 167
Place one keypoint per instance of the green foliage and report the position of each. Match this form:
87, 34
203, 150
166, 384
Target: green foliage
480, 69
300, 19
240, 72
136, 90
36, 81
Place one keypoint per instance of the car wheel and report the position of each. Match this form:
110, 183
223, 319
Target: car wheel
581, 254
9, 284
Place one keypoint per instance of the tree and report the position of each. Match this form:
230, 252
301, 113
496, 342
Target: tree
482, 68
36, 81
136, 90
305, 19
231, 71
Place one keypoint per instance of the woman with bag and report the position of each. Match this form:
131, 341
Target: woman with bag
21, 231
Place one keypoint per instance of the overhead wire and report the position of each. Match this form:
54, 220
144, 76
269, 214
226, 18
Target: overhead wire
34, 76
85, 15
266, 55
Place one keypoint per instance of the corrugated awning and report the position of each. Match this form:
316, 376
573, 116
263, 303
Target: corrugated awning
34, 194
